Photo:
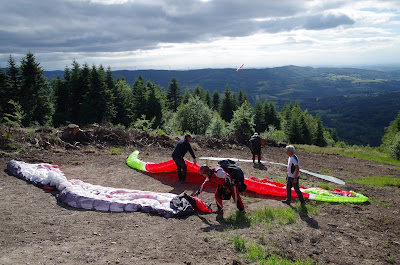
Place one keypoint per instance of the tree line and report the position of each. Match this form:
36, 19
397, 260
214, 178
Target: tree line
90, 94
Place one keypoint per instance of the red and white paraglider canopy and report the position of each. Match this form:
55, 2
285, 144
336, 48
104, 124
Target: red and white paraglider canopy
240, 67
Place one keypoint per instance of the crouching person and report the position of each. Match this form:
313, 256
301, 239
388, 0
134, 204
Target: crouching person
226, 188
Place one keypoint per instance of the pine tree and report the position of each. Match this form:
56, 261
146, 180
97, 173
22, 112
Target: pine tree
294, 131
14, 79
207, 98
334, 135
186, 96
306, 137
259, 119
215, 100
98, 103
62, 107
242, 97
122, 101
79, 86
199, 92
319, 135
4, 95
154, 106
228, 105
139, 103
174, 95
35, 92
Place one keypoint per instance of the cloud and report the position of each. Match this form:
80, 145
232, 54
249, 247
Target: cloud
84, 26
111, 30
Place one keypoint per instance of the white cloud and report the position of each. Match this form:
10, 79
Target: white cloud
197, 34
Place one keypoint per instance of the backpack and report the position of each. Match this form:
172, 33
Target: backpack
254, 145
235, 172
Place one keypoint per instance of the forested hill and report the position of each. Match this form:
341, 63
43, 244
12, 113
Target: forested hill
358, 103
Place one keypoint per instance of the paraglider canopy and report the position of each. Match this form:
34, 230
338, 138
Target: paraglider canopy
240, 67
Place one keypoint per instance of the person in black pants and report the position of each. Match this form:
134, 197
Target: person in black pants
293, 175
181, 148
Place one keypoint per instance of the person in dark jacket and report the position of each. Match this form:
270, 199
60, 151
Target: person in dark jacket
255, 147
181, 148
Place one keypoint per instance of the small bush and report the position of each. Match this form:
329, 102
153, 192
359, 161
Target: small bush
239, 243
394, 149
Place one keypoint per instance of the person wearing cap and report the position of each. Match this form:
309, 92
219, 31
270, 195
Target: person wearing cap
225, 187
181, 148
255, 147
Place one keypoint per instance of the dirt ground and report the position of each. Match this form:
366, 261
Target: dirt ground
36, 229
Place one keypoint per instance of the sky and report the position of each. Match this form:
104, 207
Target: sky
196, 34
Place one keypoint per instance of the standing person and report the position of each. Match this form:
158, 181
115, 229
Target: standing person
179, 153
293, 175
255, 147
226, 187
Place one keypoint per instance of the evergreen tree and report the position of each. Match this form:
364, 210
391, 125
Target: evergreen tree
14, 80
110, 81
228, 105
154, 106
199, 92
215, 100
79, 83
186, 96
174, 95
242, 124
207, 98
122, 102
62, 107
271, 116
242, 97
294, 131
98, 103
259, 119
35, 92
306, 136
319, 137
334, 135
139, 103
4, 95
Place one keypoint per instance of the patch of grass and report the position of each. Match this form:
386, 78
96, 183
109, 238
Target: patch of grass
260, 255
326, 186
280, 180
239, 243
255, 252
383, 203
267, 215
325, 171
367, 153
115, 151
238, 218
378, 181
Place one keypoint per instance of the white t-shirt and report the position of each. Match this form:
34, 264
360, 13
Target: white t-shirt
292, 162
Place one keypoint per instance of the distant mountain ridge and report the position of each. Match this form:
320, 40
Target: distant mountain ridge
359, 103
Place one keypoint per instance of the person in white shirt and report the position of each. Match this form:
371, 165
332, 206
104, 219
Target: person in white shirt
292, 177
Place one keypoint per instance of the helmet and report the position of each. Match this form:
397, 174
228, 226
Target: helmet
204, 170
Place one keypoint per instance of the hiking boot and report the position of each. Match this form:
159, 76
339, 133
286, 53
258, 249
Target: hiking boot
286, 201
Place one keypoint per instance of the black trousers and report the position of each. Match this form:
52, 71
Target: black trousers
289, 186
182, 168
